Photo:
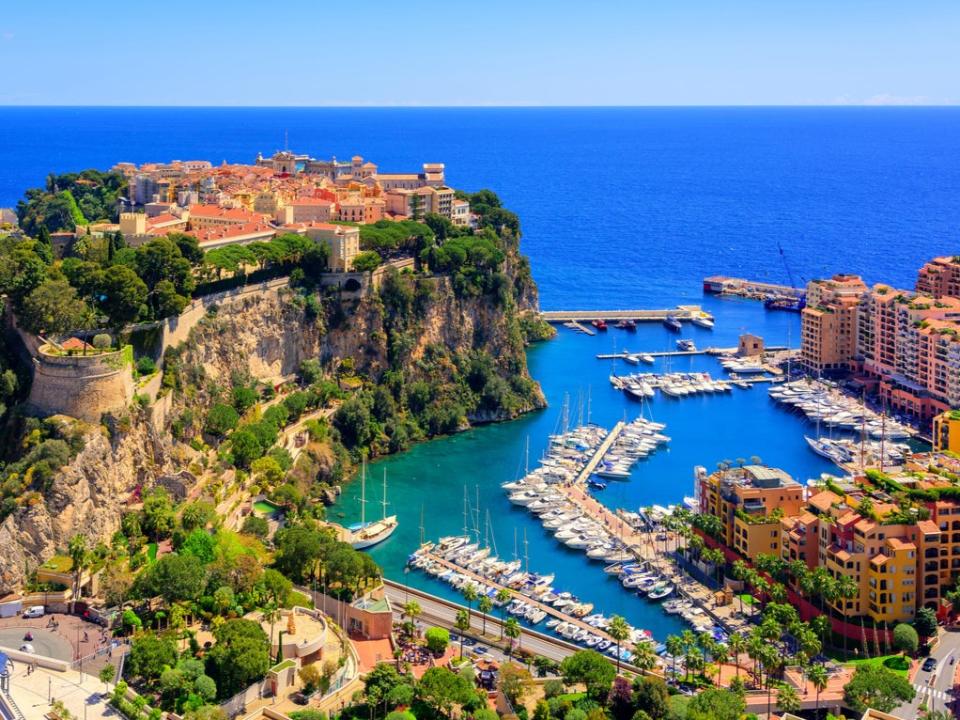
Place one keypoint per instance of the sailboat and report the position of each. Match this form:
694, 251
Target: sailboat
368, 534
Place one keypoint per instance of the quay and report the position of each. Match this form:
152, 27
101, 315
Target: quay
755, 289
549, 609
681, 312
598, 455
678, 353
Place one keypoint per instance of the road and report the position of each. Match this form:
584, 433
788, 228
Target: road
936, 687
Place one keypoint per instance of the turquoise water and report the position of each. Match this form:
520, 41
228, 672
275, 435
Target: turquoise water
704, 431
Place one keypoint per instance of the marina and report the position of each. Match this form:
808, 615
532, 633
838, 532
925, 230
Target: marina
682, 313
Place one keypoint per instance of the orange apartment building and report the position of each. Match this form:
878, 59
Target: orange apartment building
828, 340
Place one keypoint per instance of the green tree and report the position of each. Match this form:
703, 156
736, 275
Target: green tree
122, 294
79, 557
437, 640
485, 606
240, 655
158, 519
367, 261
106, 675
512, 630
716, 704
463, 625
221, 419
149, 655
819, 677
245, 447
877, 688
652, 696
502, 597
53, 308
174, 577
619, 630
590, 668
905, 639
788, 699
926, 623
441, 689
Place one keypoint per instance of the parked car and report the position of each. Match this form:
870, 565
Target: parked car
34, 612
28, 648
929, 664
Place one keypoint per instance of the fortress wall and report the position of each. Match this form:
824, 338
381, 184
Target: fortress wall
80, 386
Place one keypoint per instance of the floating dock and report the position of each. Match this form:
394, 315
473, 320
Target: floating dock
681, 312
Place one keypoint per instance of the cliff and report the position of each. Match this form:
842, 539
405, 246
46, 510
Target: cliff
88, 495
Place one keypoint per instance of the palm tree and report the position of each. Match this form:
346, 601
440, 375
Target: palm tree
502, 596
512, 629
644, 656
77, 548
818, 676
412, 610
619, 631
788, 700
821, 626
463, 625
720, 655
737, 644
846, 589
485, 606
470, 594
675, 648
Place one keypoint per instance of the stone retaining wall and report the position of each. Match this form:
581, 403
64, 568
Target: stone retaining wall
81, 386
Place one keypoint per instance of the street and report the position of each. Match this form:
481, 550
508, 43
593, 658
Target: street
936, 686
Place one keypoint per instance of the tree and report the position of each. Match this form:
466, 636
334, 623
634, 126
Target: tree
788, 699
106, 675
367, 261
221, 419
514, 681
197, 514
158, 519
240, 655
412, 610
502, 597
174, 577
819, 677
441, 689
121, 295
470, 595
79, 556
619, 630
485, 606
150, 654
256, 526
877, 688
512, 630
716, 704
437, 640
590, 668
905, 639
54, 308
651, 695
245, 447
166, 301
463, 625
926, 623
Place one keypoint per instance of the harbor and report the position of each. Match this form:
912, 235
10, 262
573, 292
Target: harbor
704, 429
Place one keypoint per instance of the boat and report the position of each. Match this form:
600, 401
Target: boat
671, 323
629, 325
785, 302
660, 592
646, 358
702, 320
599, 325
367, 534
686, 345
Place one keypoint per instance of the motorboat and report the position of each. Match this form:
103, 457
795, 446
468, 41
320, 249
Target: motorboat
672, 324
703, 320
686, 345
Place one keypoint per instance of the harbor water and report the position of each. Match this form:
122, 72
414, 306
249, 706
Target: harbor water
431, 478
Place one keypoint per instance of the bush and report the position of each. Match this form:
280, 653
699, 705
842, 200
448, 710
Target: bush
146, 366
905, 639
437, 640
102, 341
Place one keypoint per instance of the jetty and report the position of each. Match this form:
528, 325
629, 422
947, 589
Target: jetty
574, 325
677, 353
681, 312
753, 289
598, 455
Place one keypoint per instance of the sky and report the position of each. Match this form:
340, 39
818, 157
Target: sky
517, 52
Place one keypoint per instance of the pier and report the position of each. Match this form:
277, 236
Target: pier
574, 325
598, 455
681, 312
755, 289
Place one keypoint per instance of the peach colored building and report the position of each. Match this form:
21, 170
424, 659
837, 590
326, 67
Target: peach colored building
940, 277
828, 341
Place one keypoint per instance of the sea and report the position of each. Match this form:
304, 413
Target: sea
620, 208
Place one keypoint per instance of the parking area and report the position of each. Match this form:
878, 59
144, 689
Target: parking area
64, 637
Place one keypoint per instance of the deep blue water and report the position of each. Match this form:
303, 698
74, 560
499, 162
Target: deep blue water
620, 208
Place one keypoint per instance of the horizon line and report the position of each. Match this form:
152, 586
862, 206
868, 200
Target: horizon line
492, 106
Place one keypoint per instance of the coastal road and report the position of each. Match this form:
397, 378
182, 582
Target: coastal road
936, 687
443, 613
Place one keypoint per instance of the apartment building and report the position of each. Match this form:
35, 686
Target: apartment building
828, 340
946, 432
940, 277
749, 503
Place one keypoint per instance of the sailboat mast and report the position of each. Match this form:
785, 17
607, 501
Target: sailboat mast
465, 529
421, 526
526, 552
384, 493
526, 462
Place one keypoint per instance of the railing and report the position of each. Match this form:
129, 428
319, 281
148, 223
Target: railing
11, 705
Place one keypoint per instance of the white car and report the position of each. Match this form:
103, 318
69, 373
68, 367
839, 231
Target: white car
34, 612
28, 648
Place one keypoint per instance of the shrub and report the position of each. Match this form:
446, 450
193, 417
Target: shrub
146, 366
437, 640
102, 341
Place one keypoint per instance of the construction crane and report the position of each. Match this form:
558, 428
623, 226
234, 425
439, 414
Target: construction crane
795, 302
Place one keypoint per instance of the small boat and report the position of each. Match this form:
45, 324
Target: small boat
672, 324
686, 345
702, 320
599, 325
660, 592
646, 358
629, 325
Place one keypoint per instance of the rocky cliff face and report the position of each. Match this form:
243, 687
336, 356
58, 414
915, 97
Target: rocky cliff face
89, 495
267, 337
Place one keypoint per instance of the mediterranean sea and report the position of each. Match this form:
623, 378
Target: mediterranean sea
620, 208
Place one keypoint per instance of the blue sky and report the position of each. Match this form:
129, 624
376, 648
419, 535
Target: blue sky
522, 52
